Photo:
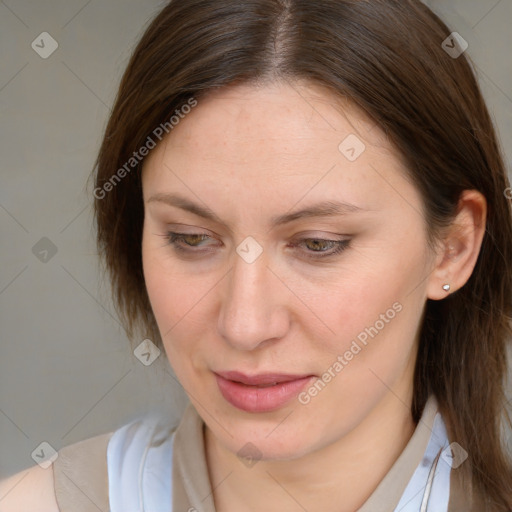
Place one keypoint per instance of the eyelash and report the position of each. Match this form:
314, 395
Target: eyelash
173, 239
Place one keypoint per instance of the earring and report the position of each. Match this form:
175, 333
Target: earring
446, 287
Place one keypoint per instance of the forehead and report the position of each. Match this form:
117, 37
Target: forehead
282, 118
278, 141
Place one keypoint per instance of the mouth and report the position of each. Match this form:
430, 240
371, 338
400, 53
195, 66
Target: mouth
260, 380
260, 393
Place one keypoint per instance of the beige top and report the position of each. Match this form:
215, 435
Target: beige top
81, 476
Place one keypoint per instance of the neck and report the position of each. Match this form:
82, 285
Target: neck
338, 477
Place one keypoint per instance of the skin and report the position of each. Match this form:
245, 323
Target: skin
29, 490
249, 153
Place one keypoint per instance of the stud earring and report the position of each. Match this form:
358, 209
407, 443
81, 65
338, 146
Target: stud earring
446, 287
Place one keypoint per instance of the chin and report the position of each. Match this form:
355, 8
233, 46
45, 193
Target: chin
250, 435
263, 447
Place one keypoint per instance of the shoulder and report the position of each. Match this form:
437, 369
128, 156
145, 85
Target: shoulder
79, 468
88, 467
29, 490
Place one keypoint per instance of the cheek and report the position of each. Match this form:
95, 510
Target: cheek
165, 290
373, 316
367, 300
168, 300
179, 301
165, 285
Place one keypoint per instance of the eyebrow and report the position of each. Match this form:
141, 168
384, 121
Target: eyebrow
322, 209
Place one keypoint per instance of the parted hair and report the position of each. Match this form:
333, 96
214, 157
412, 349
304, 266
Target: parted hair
388, 58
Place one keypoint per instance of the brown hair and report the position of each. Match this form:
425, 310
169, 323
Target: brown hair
386, 56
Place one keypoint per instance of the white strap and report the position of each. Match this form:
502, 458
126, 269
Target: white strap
139, 460
434, 492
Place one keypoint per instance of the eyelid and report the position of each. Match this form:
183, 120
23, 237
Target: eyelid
321, 235
304, 235
311, 234
340, 245
179, 227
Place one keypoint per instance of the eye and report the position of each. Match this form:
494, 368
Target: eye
186, 242
316, 248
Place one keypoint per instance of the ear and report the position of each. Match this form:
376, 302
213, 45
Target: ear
460, 246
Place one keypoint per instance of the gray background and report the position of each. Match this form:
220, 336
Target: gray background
66, 369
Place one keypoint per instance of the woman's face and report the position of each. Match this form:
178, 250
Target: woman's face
332, 300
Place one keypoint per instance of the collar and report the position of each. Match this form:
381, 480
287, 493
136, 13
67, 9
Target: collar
192, 489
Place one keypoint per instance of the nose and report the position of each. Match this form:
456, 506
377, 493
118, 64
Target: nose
253, 310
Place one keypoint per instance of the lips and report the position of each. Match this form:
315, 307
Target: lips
263, 379
259, 393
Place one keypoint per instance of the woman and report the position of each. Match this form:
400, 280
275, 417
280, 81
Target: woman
304, 204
